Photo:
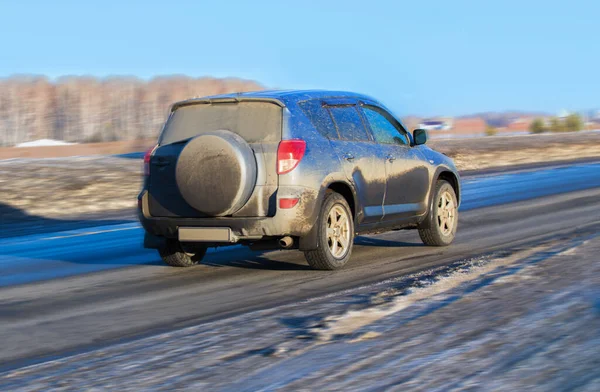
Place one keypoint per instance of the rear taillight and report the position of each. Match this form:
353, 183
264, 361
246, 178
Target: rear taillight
289, 155
147, 157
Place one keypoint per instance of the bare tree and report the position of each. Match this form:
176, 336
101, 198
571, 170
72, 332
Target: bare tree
87, 109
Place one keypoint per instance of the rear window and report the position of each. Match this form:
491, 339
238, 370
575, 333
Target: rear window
349, 123
254, 121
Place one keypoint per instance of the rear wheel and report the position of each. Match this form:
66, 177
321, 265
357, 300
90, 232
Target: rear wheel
174, 255
439, 228
335, 236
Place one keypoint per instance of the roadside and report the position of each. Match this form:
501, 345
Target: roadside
81, 149
90, 186
519, 318
18, 223
503, 151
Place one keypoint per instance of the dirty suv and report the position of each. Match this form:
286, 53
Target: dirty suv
305, 170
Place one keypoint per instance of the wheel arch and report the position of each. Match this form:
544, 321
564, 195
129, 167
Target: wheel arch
344, 188
452, 178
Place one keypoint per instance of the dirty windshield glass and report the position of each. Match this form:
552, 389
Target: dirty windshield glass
254, 121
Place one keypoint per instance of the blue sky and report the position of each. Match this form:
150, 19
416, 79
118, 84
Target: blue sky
419, 57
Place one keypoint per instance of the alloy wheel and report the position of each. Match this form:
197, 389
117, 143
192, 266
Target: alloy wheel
446, 213
338, 231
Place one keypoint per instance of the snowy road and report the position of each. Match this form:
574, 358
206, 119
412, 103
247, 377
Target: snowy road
528, 319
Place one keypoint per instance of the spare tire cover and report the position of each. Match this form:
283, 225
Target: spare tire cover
216, 173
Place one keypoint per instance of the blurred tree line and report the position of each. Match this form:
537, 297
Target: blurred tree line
88, 109
571, 123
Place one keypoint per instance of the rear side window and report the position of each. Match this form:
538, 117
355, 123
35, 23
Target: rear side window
349, 123
320, 118
253, 121
383, 129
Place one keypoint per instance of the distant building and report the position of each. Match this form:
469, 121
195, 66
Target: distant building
519, 124
438, 124
469, 126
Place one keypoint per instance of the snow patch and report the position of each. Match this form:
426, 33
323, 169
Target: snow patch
570, 251
366, 336
44, 143
352, 321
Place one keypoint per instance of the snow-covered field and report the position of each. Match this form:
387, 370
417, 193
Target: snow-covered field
524, 318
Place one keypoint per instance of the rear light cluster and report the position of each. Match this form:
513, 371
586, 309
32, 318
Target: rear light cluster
289, 155
147, 157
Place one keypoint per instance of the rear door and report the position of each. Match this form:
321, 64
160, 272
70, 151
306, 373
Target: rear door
361, 160
258, 123
407, 175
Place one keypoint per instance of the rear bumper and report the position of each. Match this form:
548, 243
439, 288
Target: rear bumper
296, 221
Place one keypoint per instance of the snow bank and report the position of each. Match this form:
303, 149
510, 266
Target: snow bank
44, 143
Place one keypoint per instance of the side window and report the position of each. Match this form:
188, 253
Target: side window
320, 118
383, 130
349, 123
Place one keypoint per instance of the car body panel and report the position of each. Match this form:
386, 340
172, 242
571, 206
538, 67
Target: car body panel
407, 182
364, 168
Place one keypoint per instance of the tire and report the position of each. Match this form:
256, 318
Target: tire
439, 228
174, 255
330, 256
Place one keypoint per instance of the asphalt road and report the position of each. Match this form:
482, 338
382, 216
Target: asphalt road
64, 292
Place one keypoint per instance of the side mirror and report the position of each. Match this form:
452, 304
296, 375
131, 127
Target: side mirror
419, 136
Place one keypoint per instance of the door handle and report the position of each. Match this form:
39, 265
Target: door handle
390, 158
349, 157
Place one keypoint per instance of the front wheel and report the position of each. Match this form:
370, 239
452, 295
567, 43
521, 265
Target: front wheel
335, 236
174, 255
439, 228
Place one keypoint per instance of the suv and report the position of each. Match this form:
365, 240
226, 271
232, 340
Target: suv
303, 170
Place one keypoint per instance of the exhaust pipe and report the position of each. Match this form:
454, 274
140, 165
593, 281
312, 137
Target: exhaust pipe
286, 242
